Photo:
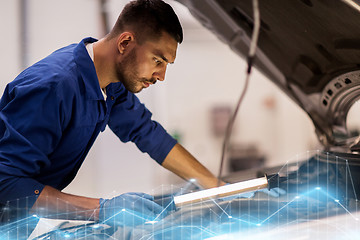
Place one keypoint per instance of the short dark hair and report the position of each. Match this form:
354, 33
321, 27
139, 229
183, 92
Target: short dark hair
148, 19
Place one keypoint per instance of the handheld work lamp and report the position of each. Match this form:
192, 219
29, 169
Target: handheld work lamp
228, 190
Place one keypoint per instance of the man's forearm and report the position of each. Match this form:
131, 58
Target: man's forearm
52, 203
183, 164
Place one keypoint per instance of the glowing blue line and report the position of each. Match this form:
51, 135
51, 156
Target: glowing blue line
14, 224
347, 211
283, 166
278, 210
22, 220
56, 215
91, 217
352, 183
164, 209
220, 207
211, 209
228, 204
127, 212
286, 205
247, 216
244, 221
338, 202
214, 212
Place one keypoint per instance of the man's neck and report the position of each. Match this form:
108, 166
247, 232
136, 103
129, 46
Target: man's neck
104, 62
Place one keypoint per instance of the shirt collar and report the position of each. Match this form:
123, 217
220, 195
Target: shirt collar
87, 70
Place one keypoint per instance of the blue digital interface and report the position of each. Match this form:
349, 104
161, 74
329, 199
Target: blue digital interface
320, 198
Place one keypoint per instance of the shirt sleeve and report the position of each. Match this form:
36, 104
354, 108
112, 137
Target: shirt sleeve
130, 120
29, 131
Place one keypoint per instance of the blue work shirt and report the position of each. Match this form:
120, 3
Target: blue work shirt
51, 115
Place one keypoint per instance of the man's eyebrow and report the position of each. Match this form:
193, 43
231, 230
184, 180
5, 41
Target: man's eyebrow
159, 54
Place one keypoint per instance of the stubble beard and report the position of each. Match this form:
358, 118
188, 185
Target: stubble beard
128, 74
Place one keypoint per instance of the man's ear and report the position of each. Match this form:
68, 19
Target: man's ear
125, 40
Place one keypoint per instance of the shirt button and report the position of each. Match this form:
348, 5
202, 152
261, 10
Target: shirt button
36, 191
112, 98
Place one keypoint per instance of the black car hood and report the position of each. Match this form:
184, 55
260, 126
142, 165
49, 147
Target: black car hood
309, 48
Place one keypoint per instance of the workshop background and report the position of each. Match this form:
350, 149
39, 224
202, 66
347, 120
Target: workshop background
192, 103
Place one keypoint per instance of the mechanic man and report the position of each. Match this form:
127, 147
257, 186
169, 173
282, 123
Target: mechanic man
53, 111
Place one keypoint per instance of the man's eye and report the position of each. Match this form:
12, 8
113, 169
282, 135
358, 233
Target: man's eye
157, 61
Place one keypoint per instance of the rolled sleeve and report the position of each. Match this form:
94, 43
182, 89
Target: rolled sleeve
158, 143
20, 192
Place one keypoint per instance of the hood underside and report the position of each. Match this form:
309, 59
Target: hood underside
309, 48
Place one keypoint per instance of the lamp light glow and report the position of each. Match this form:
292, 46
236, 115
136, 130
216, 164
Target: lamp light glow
221, 192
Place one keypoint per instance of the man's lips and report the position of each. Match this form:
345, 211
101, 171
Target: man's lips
148, 83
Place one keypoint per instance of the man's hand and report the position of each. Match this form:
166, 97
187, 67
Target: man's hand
129, 209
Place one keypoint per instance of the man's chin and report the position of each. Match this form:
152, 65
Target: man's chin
135, 90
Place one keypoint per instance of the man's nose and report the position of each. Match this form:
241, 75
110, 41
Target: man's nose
160, 75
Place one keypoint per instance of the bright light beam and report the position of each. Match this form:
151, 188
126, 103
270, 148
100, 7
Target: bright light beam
220, 192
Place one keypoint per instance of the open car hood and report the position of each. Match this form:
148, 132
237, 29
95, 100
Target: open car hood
309, 48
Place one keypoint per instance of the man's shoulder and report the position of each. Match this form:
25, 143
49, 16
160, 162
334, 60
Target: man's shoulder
62, 61
58, 71
58, 66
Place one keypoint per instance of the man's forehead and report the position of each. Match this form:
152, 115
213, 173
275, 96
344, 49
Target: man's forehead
165, 47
